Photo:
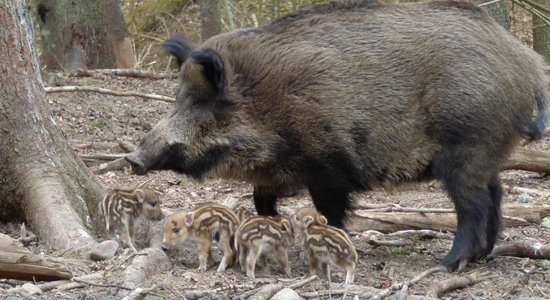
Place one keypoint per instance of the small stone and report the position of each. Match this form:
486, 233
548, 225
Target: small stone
286, 294
104, 250
545, 222
31, 289
524, 198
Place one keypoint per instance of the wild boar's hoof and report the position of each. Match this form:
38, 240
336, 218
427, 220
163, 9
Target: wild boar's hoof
138, 167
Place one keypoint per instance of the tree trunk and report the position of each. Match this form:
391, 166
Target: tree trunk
75, 34
541, 34
498, 11
43, 181
211, 19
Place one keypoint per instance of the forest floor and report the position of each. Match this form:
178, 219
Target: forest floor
90, 117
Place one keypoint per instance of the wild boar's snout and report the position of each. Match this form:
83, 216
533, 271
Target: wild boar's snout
138, 167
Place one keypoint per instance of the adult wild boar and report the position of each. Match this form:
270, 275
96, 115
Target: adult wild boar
351, 95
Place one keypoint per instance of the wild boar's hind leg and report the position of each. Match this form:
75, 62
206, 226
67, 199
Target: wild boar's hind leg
471, 182
265, 200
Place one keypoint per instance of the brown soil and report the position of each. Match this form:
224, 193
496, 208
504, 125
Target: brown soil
86, 117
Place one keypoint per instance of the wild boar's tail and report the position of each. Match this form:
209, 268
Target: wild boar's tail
541, 121
179, 46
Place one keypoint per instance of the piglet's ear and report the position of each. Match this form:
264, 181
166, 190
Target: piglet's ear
212, 68
307, 220
189, 217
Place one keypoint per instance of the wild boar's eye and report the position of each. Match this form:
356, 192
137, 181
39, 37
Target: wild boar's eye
176, 230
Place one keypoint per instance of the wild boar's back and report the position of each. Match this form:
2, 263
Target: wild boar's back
388, 84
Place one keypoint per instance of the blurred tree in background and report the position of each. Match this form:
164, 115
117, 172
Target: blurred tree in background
151, 21
83, 34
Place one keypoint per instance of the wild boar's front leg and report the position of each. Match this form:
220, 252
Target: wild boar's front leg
265, 200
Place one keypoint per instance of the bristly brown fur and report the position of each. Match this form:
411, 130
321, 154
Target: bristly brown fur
353, 95
120, 208
260, 236
204, 223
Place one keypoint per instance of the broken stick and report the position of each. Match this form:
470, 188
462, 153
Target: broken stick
533, 250
123, 73
60, 89
448, 285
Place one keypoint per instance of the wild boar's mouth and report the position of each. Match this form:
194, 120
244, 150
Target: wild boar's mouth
175, 158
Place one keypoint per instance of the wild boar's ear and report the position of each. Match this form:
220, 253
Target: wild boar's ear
323, 220
179, 46
212, 68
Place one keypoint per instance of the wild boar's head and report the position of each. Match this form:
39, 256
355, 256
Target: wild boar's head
207, 130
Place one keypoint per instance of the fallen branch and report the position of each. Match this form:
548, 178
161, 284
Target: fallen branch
140, 293
393, 219
399, 286
451, 284
365, 292
126, 146
533, 250
48, 286
17, 262
60, 89
145, 266
301, 283
115, 165
123, 73
266, 291
528, 160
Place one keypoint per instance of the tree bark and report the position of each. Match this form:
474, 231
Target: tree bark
211, 19
43, 181
541, 34
497, 10
76, 34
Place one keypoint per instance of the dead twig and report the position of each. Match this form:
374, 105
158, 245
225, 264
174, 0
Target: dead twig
61, 89
101, 156
533, 250
101, 73
54, 284
126, 146
266, 291
140, 293
301, 283
352, 289
197, 294
110, 285
398, 286
448, 285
